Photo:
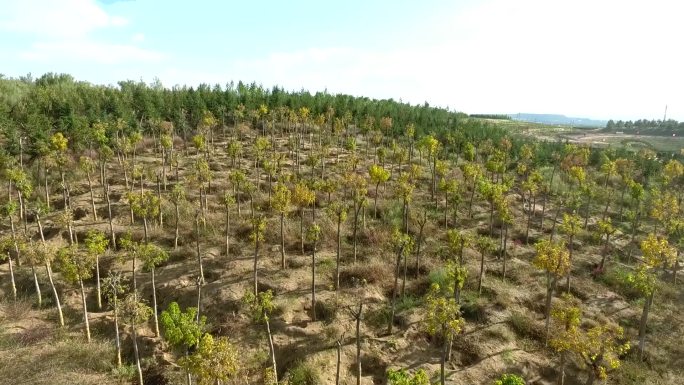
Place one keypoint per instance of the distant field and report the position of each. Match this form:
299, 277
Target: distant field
636, 142
592, 137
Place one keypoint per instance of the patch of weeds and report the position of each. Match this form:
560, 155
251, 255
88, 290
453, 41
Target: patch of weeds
15, 310
125, 372
96, 356
304, 374
617, 279
325, 311
524, 326
629, 323
441, 278
473, 310
496, 334
370, 273
469, 351
378, 317
631, 372
326, 265
508, 357
407, 303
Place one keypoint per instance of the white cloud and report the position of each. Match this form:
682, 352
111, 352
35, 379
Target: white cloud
57, 19
64, 32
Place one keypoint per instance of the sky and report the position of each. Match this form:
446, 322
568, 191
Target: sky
604, 59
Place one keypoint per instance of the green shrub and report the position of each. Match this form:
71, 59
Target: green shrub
407, 303
510, 379
125, 372
441, 277
616, 279
303, 374
402, 377
378, 317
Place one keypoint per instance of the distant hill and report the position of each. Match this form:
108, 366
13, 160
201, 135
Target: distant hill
558, 119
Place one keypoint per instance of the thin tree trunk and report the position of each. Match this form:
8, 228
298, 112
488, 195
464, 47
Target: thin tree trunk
145, 228
547, 307
491, 218
117, 337
22, 212
442, 375
301, 228
227, 232
504, 252
64, 189
175, 238
418, 244
92, 197
272, 350
35, 282
394, 291
313, 282
54, 291
375, 201
137, 354
403, 283
358, 344
159, 196
135, 281
472, 197
622, 202
14, 240
85, 310
337, 265
199, 299
642, 325
111, 219
154, 304
339, 359
570, 251
14, 286
561, 369
586, 212
604, 252
49, 274
529, 223
446, 210
356, 225
97, 279
282, 240
481, 276
255, 276
199, 254
47, 189
555, 221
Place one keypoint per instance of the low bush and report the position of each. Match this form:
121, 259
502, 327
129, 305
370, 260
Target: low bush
525, 326
617, 279
325, 311
303, 374
371, 273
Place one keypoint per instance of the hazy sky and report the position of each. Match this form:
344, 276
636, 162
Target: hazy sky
590, 58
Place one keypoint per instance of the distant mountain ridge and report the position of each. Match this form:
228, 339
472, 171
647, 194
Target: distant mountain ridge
558, 119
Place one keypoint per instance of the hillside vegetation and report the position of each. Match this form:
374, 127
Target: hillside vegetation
242, 235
